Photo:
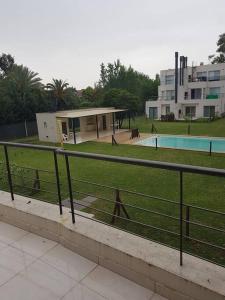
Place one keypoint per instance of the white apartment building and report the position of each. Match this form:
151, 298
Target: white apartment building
200, 92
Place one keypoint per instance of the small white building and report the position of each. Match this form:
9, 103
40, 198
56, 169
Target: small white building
76, 126
200, 92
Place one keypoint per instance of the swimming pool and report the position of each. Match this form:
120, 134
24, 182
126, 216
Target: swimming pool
183, 142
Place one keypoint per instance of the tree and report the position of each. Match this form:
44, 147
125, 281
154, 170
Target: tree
64, 96
58, 89
118, 76
6, 64
92, 96
220, 58
23, 84
21, 95
119, 98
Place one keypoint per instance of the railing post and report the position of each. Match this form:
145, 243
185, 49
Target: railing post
187, 220
70, 187
58, 182
210, 148
8, 172
181, 218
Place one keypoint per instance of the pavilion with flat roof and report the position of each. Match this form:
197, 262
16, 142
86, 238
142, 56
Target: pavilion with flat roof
76, 126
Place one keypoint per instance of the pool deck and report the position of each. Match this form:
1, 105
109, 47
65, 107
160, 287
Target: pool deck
124, 138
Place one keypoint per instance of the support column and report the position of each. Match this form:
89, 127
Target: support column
113, 123
128, 119
97, 131
74, 131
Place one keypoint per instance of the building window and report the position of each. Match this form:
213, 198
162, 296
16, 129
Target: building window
153, 113
167, 109
209, 111
214, 91
45, 125
170, 95
214, 75
169, 79
190, 111
196, 94
201, 76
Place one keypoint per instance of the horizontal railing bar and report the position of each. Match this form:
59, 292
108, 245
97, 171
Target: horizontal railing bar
147, 163
129, 205
30, 180
153, 212
29, 168
205, 209
34, 198
35, 189
154, 197
205, 226
129, 220
202, 242
127, 191
29, 146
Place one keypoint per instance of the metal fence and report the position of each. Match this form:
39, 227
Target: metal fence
18, 130
183, 219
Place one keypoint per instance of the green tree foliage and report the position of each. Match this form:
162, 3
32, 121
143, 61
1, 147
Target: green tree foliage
6, 64
63, 96
92, 97
22, 93
220, 58
118, 76
119, 98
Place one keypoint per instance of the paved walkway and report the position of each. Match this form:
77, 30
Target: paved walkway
32, 267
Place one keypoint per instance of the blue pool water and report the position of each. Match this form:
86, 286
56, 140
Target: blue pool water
187, 143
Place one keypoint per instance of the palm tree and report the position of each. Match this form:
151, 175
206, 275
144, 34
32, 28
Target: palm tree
24, 81
59, 89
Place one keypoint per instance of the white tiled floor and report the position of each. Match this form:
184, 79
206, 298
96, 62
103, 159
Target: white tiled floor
32, 267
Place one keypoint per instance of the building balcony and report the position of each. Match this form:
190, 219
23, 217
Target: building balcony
206, 97
162, 98
205, 78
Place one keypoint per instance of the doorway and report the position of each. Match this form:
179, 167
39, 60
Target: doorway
153, 113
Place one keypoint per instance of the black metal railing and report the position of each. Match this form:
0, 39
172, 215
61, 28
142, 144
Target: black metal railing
180, 212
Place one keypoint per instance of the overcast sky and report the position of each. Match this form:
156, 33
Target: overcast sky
68, 39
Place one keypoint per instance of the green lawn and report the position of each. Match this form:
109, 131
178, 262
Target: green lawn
214, 128
203, 191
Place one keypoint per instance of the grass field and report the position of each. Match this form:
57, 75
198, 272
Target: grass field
203, 191
214, 128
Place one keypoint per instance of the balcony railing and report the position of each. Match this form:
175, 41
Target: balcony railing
162, 98
206, 78
187, 221
206, 97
